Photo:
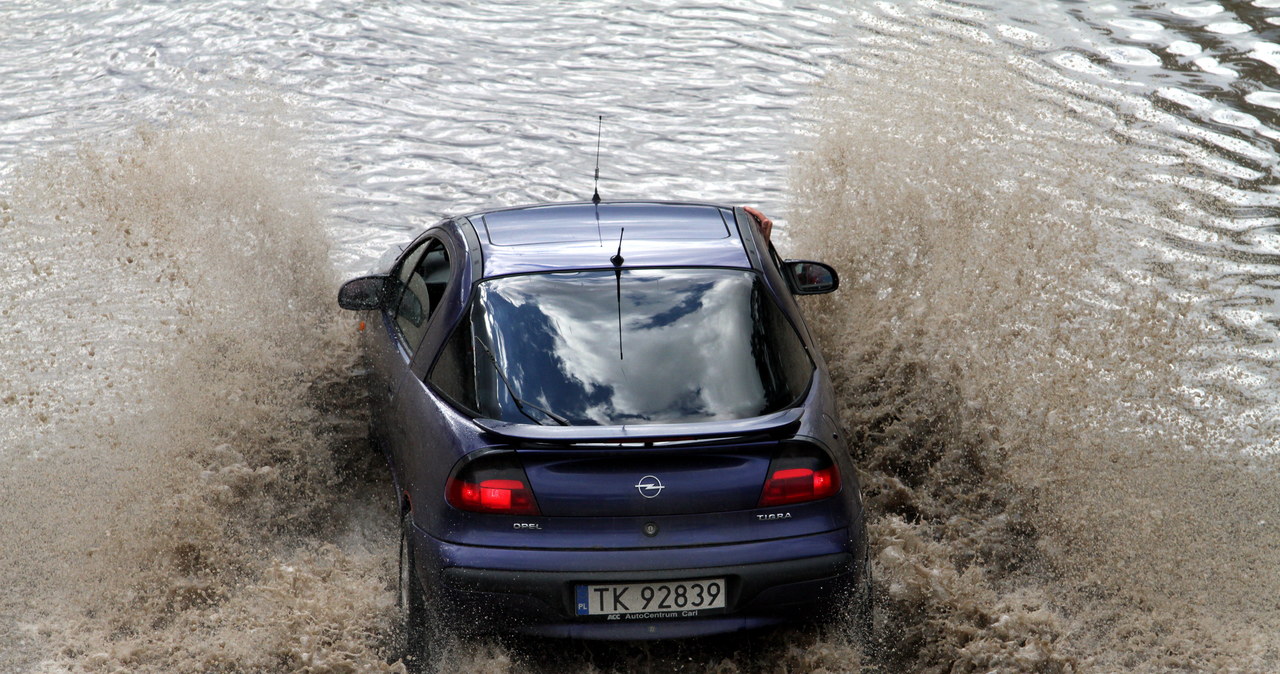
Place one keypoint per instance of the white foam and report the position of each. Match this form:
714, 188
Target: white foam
1023, 35
1131, 56
1210, 65
1266, 99
1267, 52
1197, 12
1138, 29
1080, 64
1236, 118
1185, 98
1228, 28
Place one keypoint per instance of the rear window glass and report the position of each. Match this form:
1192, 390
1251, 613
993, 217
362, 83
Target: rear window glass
632, 346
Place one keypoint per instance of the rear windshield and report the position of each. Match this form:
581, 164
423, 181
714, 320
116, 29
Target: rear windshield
632, 346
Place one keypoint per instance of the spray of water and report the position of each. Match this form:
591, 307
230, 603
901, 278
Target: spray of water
1048, 493
185, 486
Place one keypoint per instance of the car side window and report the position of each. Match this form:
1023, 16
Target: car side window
454, 373
398, 280
423, 286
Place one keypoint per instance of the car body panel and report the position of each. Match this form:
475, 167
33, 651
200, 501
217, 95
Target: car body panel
553, 224
625, 483
568, 236
769, 423
640, 563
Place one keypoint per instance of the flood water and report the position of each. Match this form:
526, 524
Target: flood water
1056, 343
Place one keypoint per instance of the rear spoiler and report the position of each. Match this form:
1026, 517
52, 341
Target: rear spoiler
778, 422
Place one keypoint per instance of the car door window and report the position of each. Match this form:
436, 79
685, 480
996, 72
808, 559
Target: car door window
422, 289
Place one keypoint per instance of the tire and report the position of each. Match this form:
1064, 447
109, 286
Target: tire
412, 601
865, 605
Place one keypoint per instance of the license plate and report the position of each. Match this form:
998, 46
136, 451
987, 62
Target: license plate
669, 599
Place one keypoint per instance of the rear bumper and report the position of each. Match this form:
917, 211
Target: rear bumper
534, 591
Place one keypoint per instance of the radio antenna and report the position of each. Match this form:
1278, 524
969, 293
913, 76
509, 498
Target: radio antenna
595, 197
617, 257
617, 278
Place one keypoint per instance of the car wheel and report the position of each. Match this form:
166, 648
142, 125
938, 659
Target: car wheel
412, 602
864, 605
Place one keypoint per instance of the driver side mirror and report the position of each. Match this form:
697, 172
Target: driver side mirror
810, 278
362, 294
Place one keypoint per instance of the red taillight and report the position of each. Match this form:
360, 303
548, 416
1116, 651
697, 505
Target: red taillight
492, 484
789, 484
510, 497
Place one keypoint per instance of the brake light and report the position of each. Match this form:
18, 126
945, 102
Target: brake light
798, 474
510, 497
495, 483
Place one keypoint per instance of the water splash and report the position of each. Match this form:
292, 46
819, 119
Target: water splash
187, 490
1054, 486
1050, 491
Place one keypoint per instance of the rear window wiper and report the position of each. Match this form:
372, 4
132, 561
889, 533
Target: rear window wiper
520, 404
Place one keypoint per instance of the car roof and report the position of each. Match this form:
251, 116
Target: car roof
583, 235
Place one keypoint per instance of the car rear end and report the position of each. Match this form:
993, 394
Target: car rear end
657, 537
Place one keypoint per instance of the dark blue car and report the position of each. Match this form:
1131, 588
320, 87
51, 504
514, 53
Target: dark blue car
608, 421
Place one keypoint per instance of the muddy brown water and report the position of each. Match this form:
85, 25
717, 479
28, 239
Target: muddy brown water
1055, 344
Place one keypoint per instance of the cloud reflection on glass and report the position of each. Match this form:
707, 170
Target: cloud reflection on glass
635, 347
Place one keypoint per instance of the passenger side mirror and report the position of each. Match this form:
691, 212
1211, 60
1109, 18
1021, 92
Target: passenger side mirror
362, 294
811, 278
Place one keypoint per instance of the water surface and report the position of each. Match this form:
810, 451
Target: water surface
1057, 224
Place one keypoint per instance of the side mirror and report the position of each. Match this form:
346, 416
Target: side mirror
362, 294
811, 278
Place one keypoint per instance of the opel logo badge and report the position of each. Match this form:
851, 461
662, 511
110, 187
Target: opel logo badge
649, 486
